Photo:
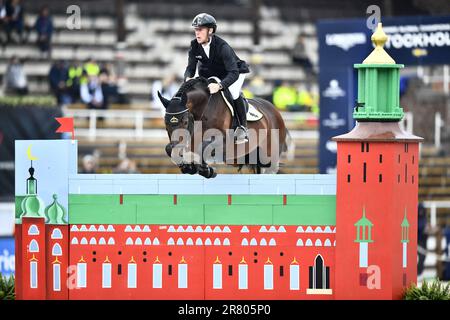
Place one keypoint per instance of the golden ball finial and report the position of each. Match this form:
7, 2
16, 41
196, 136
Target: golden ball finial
379, 38
378, 55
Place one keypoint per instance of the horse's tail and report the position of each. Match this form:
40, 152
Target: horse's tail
289, 146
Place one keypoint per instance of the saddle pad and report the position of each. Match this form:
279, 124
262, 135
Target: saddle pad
253, 114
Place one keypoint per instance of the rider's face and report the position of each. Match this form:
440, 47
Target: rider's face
202, 34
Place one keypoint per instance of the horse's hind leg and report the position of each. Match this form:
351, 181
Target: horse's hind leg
273, 169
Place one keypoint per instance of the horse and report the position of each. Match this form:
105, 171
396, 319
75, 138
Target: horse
193, 104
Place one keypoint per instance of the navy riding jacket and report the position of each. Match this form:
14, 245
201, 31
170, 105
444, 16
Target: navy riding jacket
222, 62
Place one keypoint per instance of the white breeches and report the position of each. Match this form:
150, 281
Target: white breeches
235, 88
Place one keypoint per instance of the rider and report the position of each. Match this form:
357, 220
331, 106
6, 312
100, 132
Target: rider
216, 58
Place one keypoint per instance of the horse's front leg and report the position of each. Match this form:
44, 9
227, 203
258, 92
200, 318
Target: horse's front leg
204, 169
185, 167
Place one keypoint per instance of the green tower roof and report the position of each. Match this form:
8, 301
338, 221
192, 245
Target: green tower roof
378, 84
55, 212
32, 205
364, 222
405, 222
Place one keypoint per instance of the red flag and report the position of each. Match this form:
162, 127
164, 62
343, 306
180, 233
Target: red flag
66, 125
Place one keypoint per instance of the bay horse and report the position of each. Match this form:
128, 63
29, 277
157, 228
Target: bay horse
193, 104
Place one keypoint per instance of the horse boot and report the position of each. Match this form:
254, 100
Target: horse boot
240, 134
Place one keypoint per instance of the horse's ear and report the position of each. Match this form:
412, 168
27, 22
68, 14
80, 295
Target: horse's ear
164, 101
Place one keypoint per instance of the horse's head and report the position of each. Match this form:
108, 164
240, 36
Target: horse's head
177, 114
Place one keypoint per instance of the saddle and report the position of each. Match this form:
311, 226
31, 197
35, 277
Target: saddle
253, 114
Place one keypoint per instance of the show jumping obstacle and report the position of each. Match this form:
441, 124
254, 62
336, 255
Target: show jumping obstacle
347, 236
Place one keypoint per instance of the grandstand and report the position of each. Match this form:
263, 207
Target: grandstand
155, 41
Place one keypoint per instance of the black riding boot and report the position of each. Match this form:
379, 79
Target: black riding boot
240, 133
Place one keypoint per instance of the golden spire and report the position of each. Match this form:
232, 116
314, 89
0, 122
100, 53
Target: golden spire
243, 260
294, 261
107, 260
217, 260
378, 55
182, 260
157, 260
132, 260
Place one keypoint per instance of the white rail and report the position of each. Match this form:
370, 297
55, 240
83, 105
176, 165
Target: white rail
434, 205
139, 116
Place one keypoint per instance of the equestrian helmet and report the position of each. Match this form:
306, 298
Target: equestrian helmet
205, 20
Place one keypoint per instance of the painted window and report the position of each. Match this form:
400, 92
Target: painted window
33, 275
81, 275
56, 277
243, 276
132, 275
294, 277
157, 275
106, 275
56, 250
268, 277
363, 254
217, 276
56, 234
182, 275
33, 230
34, 246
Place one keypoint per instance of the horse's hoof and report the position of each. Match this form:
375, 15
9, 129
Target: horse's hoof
212, 172
192, 169
188, 168
207, 172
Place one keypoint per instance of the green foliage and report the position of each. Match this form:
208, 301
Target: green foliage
7, 288
435, 290
29, 100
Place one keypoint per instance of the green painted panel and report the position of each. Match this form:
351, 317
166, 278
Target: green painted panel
18, 209
257, 199
310, 199
307, 214
173, 214
104, 214
200, 209
183, 199
93, 199
150, 199
238, 214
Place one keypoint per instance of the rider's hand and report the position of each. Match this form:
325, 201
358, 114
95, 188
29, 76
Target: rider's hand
214, 87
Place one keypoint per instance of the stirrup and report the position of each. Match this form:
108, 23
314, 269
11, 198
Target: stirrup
240, 135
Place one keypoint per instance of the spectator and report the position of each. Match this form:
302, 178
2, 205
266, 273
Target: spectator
14, 19
108, 80
305, 99
3, 21
91, 93
15, 77
299, 55
91, 67
168, 89
284, 95
44, 29
89, 164
74, 75
421, 237
259, 87
57, 78
446, 233
126, 166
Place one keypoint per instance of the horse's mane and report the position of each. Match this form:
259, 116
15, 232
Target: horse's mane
189, 85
